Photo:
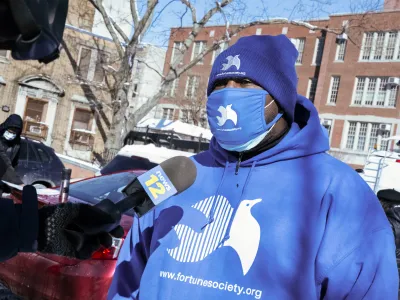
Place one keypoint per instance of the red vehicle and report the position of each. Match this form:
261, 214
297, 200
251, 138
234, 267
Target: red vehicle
41, 276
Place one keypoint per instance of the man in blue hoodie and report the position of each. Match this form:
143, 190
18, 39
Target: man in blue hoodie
271, 215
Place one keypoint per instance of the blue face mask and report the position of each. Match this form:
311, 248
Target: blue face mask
236, 118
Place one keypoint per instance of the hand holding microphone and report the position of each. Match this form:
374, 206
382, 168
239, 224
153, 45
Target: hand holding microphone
77, 229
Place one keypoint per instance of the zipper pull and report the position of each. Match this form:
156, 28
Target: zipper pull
238, 163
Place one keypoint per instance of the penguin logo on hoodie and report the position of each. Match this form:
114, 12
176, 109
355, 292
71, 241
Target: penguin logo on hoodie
243, 237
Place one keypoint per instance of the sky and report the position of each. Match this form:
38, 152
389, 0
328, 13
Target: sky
169, 13
251, 10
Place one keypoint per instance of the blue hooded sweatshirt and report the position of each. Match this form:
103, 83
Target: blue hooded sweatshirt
292, 223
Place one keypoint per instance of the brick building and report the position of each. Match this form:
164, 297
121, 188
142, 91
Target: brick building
178, 102
65, 104
357, 92
352, 78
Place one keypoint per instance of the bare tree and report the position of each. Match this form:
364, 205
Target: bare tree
194, 102
123, 117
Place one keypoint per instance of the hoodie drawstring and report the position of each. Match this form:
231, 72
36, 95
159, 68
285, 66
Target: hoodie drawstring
211, 216
228, 229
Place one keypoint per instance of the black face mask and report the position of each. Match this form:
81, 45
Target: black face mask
32, 29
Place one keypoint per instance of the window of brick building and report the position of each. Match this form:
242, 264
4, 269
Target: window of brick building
217, 52
318, 51
340, 51
168, 113
81, 129
390, 48
327, 124
334, 89
83, 119
173, 88
198, 46
312, 88
192, 84
176, 50
186, 116
363, 136
34, 121
380, 46
299, 44
375, 92
91, 62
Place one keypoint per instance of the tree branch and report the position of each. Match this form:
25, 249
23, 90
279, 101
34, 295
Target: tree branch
285, 21
192, 9
119, 30
144, 22
225, 19
150, 67
178, 72
162, 10
195, 31
135, 13
213, 11
99, 6
151, 4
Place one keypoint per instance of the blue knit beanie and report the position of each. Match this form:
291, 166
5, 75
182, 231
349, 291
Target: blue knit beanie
268, 61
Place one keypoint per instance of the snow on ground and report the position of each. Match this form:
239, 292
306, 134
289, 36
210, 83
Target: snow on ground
78, 162
151, 152
84, 131
177, 126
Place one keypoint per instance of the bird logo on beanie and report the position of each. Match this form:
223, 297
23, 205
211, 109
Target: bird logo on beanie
232, 61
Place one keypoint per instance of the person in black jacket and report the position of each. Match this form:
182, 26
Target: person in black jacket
10, 145
33, 30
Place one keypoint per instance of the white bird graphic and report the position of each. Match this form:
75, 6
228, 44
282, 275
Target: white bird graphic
232, 61
227, 114
244, 234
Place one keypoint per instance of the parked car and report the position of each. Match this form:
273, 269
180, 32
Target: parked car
38, 164
49, 277
142, 157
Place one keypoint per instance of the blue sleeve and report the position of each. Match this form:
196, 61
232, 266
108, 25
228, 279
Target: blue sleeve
357, 255
132, 260
368, 272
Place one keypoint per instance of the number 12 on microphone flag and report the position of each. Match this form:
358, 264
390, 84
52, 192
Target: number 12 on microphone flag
157, 185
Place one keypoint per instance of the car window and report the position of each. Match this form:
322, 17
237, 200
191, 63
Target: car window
98, 188
23, 151
44, 157
124, 163
32, 155
27, 152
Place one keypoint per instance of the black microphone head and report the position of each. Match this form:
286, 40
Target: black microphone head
181, 170
171, 177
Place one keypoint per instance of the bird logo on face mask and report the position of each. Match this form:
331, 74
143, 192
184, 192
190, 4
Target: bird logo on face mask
232, 61
227, 114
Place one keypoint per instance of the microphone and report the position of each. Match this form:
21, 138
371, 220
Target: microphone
170, 178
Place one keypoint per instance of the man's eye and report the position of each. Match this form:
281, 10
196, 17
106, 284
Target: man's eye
246, 81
